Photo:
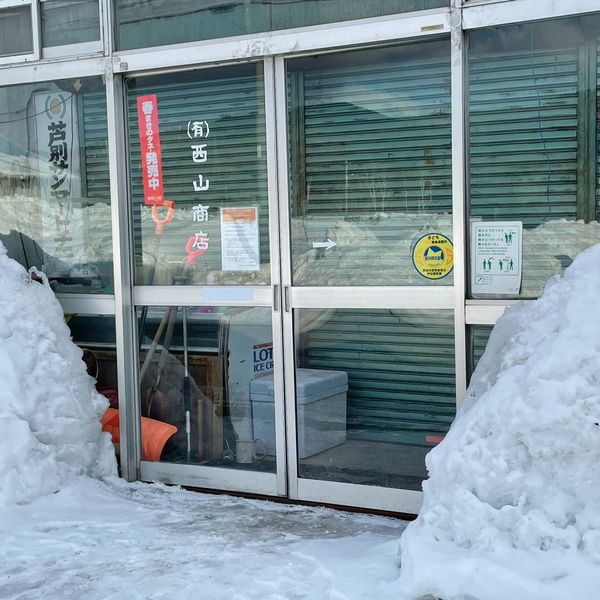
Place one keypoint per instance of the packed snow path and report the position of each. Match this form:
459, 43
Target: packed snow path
118, 541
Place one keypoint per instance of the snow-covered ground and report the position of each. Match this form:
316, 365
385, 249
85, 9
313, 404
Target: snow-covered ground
118, 541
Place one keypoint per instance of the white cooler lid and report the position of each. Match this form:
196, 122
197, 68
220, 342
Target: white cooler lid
311, 385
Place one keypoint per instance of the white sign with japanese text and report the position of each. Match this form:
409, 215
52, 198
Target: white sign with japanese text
239, 239
57, 140
496, 257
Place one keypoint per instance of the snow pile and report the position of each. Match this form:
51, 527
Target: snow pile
49, 410
512, 505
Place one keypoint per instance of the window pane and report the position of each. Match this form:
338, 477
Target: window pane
69, 22
375, 391
199, 364
54, 182
370, 164
143, 23
16, 34
532, 148
204, 174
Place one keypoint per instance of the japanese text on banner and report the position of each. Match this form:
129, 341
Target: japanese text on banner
150, 146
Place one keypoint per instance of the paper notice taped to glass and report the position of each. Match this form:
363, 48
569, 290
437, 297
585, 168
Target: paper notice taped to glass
240, 239
496, 257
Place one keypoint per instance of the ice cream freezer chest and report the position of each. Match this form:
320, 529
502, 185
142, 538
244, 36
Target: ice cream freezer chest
321, 410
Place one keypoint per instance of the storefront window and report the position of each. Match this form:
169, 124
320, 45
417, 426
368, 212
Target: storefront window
197, 367
532, 152
370, 167
199, 177
144, 23
16, 36
54, 182
375, 391
69, 22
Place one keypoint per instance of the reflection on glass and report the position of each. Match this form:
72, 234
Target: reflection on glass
16, 34
95, 335
197, 368
199, 177
375, 391
69, 22
532, 131
370, 163
143, 23
54, 182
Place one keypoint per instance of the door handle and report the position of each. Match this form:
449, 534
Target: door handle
286, 298
276, 298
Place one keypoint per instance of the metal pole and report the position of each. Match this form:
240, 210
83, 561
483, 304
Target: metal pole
186, 386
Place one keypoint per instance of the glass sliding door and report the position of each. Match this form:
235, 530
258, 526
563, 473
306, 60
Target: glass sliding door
206, 282
367, 270
292, 238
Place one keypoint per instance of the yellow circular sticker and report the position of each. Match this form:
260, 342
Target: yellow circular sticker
433, 256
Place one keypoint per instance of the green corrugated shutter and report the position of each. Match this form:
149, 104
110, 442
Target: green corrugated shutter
369, 138
377, 138
94, 146
400, 367
518, 123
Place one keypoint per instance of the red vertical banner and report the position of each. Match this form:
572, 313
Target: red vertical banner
150, 145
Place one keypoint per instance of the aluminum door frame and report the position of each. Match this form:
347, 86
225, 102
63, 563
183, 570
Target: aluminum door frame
213, 477
410, 297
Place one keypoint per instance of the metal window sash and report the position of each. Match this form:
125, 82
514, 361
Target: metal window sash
81, 49
296, 41
36, 26
53, 71
106, 26
87, 304
459, 215
486, 312
125, 317
13, 3
289, 373
147, 295
210, 478
17, 58
415, 297
519, 11
92, 47
360, 496
35, 33
276, 288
